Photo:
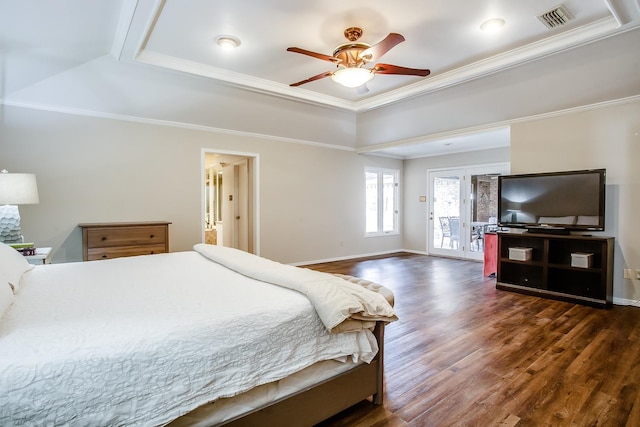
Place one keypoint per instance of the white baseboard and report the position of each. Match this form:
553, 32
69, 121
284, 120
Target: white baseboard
321, 261
625, 301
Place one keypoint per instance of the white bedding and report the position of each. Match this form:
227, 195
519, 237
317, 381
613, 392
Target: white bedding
143, 340
342, 306
223, 410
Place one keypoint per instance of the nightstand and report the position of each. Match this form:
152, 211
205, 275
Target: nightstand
42, 256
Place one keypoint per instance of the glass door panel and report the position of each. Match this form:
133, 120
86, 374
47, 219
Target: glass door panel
445, 204
463, 206
483, 205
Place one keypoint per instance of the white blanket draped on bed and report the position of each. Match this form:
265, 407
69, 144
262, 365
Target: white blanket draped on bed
342, 306
143, 340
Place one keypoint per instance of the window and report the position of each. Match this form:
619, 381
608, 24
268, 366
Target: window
381, 187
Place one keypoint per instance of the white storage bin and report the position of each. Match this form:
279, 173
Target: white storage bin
520, 254
581, 260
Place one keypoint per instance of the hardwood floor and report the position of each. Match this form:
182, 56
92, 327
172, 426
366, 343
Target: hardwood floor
466, 354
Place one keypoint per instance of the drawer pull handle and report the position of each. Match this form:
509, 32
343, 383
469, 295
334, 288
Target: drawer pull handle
152, 252
104, 256
151, 237
104, 238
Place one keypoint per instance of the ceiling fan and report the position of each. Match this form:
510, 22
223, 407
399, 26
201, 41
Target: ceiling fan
351, 58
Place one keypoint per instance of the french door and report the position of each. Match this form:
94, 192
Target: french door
463, 205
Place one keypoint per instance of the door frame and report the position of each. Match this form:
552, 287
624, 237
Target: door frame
254, 196
463, 250
458, 251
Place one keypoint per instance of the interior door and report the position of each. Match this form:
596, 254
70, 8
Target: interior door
228, 205
242, 206
236, 215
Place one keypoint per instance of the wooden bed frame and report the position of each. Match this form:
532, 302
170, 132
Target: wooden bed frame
321, 401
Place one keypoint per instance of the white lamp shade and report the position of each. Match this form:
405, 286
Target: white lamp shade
352, 77
18, 189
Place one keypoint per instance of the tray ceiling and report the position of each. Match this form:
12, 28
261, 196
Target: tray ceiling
443, 37
103, 56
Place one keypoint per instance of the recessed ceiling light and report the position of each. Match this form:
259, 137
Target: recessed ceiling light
492, 25
228, 42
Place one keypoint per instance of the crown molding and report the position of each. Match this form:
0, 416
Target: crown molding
241, 80
567, 40
371, 149
124, 26
624, 11
580, 36
169, 123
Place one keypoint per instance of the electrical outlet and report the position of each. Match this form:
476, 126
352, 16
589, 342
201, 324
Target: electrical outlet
627, 273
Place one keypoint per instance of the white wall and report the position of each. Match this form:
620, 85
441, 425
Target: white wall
120, 88
311, 198
95, 169
606, 137
579, 78
415, 185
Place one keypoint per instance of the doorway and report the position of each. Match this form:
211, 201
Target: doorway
463, 206
230, 200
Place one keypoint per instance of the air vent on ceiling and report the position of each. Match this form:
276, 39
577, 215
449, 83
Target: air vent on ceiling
556, 17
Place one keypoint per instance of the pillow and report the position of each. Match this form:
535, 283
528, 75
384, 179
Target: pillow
12, 265
6, 295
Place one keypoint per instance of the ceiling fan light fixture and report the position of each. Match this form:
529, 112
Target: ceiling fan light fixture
227, 42
492, 25
352, 77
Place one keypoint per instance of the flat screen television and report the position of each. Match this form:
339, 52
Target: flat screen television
553, 202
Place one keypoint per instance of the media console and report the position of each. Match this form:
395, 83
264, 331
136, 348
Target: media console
549, 271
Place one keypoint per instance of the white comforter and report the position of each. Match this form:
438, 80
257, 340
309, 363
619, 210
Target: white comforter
143, 340
342, 306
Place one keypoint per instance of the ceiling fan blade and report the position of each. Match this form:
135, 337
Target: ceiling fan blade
310, 79
314, 54
395, 69
382, 47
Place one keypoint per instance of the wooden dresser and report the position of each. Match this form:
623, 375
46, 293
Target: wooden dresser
121, 239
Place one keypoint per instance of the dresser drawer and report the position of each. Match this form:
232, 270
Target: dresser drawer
112, 236
123, 251
121, 239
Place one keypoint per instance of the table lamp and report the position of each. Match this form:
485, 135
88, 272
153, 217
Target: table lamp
15, 189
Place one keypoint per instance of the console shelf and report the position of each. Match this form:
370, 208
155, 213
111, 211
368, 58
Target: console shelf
549, 272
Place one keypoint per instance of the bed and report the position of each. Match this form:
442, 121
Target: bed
212, 336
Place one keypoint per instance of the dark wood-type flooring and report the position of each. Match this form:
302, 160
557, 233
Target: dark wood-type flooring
466, 354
